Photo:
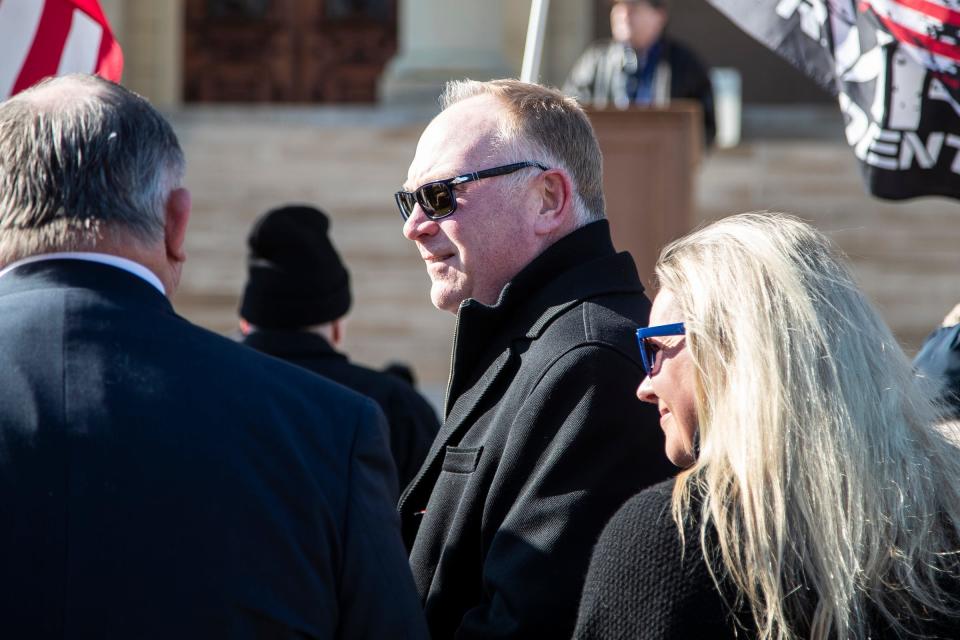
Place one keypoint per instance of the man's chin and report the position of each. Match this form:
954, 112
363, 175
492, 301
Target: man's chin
445, 299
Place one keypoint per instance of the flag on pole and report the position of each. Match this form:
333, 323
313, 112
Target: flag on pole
893, 65
41, 38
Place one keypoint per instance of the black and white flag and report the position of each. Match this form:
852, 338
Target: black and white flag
893, 65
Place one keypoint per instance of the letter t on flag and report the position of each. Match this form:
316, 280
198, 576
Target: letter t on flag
42, 38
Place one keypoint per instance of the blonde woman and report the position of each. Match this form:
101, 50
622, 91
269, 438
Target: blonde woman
818, 500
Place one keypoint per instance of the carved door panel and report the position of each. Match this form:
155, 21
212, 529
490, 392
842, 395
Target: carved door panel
345, 48
286, 50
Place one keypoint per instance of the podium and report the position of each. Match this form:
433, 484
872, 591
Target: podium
650, 160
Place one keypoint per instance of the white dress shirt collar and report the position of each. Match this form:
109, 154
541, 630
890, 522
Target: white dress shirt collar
129, 266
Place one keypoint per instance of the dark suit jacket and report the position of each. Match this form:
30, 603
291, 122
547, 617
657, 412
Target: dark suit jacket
413, 423
160, 481
544, 438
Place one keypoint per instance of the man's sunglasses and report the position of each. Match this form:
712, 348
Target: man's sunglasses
649, 349
437, 198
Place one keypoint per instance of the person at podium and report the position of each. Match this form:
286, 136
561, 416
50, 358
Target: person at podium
641, 65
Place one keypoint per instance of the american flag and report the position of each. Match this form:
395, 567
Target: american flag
893, 65
41, 38
926, 29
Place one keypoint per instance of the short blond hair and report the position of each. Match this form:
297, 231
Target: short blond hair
544, 121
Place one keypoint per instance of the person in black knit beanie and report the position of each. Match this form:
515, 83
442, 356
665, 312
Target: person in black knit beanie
819, 497
295, 277
294, 301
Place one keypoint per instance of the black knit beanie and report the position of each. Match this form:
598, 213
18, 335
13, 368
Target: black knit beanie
294, 276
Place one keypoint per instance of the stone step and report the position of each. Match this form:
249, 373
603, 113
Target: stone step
242, 162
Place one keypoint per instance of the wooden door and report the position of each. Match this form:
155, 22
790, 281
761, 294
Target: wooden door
287, 50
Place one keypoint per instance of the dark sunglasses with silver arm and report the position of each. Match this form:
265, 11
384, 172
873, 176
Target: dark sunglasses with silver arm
437, 198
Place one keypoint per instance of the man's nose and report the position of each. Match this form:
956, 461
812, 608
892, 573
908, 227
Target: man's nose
418, 224
645, 391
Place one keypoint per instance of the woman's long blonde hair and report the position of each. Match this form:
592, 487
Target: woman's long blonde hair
834, 499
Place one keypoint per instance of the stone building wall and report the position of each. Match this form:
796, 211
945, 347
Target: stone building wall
240, 163
150, 33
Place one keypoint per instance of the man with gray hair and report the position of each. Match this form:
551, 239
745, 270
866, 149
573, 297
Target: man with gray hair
543, 438
158, 480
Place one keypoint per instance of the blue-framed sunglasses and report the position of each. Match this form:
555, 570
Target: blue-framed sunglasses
649, 349
437, 198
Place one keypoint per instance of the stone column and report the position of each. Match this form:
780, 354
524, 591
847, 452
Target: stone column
569, 31
441, 40
114, 10
150, 34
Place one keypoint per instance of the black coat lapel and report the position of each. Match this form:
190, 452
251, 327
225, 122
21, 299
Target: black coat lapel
457, 419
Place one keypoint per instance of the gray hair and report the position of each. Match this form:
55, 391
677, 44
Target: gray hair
549, 127
80, 158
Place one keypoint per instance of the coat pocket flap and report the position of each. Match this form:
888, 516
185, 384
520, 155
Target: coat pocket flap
461, 459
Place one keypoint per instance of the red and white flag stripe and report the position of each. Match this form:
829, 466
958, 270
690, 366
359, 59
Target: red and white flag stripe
925, 25
41, 38
920, 16
930, 60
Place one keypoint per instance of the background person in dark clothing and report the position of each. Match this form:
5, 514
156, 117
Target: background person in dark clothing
641, 65
293, 304
939, 358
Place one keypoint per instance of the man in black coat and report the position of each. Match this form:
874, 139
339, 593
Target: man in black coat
158, 480
641, 65
543, 436
296, 296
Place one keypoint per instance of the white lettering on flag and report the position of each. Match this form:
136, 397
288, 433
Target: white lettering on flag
906, 94
939, 92
813, 16
926, 155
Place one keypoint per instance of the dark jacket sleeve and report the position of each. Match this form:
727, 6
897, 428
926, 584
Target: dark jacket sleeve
579, 447
644, 583
939, 358
378, 598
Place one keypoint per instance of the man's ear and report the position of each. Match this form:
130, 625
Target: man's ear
336, 332
556, 202
176, 217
